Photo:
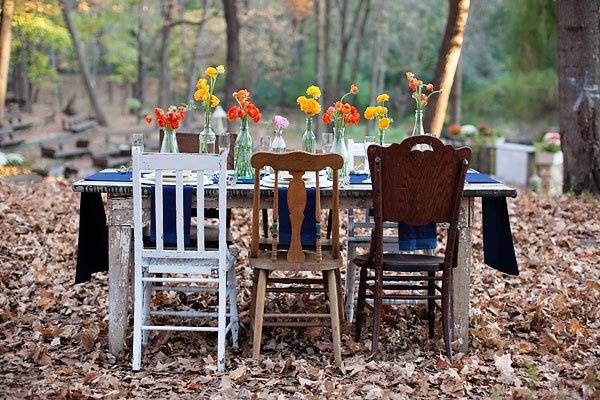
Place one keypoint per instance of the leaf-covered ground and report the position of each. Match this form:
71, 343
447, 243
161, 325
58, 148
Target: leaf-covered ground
533, 336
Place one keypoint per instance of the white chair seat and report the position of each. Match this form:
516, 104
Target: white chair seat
186, 265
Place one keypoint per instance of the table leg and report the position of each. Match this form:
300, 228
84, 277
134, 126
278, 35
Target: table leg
119, 254
461, 276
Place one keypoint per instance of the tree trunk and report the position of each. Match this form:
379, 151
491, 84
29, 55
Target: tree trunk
5, 38
319, 11
167, 11
141, 64
456, 95
378, 63
359, 42
447, 63
579, 95
233, 60
326, 66
83, 67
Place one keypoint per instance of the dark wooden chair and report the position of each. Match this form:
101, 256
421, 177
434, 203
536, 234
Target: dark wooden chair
294, 258
415, 187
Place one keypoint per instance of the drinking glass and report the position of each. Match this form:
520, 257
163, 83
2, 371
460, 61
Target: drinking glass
264, 144
223, 141
326, 142
369, 140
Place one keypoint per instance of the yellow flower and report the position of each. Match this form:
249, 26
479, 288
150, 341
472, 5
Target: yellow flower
202, 84
308, 106
313, 91
370, 112
221, 69
383, 98
301, 100
384, 123
212, 72
381, 110
214, 101
201, 94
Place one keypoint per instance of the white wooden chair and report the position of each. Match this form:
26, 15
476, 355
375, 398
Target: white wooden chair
179, 268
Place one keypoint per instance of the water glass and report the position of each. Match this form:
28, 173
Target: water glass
264, 143
223, 141
326, 142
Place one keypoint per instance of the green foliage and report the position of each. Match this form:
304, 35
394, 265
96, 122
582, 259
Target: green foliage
531, 370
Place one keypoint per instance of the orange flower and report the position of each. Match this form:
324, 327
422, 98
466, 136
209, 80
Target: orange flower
409, 75
430, 87
346, 108
412, 84
327, 116
454, 129
241, 95
338, 105
148, 119
233, 113
353, 89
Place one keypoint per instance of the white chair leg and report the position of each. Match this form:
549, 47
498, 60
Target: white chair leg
146, 308
222, 321
350, 284
138, 317
233, 310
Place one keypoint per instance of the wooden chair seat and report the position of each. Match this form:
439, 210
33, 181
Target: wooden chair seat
405, 262
263, 261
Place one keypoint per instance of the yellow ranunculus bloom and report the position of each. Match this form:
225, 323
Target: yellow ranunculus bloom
313, 91
211, 71
214, 101
221, 69
308, 106
370, 113
384, 123
199, 95
301, 100
381, 110
383, 98
202, 84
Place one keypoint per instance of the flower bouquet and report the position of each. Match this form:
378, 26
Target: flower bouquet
311, 107
169, 121
342, 114
419, 90
243, 145
208, 101
380, 112
279, 124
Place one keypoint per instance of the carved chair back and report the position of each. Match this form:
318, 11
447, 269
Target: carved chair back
297, 164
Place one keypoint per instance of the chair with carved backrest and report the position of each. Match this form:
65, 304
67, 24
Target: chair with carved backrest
294, 258
417, 182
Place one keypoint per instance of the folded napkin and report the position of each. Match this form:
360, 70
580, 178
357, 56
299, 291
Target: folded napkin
358, 178
308, 231
170, 214
113, 176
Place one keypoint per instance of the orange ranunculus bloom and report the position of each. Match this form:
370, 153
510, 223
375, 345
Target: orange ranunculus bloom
346, 108
148, 119
338, 105
327, 117
430, 87
409, 75
412, 84
241, 95
233, 113
353, 89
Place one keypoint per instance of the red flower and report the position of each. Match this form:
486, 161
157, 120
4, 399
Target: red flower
430, 87
353, 89
253, 111
233, 113
327, 119
412, 84
148, 119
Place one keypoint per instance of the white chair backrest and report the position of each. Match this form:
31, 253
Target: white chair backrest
178, 164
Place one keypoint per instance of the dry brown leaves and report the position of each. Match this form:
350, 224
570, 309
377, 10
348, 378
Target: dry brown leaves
533, 336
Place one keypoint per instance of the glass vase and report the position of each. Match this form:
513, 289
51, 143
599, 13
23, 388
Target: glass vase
418, 128
169, 142
339, 147
207, 137
243, 153
278, 144
381, 137
309, 140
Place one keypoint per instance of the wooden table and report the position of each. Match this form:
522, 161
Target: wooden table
120, 220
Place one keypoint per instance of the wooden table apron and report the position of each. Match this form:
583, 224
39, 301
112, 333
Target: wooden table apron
120, 220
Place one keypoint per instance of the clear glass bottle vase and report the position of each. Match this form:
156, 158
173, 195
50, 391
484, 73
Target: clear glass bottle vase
339, 147
169, 142
278, 144
418, 128
309, 140
243, 153
207, 137
381, 137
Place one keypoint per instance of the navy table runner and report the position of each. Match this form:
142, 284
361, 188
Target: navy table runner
170, 214
308, 233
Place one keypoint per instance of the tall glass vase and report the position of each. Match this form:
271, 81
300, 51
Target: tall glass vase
382, 137
308, 139
243, 153
418, 128
339, 147
278, 144
169, 142
207, 137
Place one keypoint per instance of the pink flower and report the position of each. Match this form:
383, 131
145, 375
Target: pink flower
552, 138
280, 122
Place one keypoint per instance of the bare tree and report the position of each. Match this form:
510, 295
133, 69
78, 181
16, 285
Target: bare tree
233, 56
83, 67
358, 45
447, 63
379, 53
200, 51
141, 61
579, 74
456, 95
5, 38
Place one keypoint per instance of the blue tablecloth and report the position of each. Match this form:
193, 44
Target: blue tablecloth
308, 231
170, 214
111, 176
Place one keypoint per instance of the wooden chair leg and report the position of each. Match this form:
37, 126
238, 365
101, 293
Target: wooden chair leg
377, 300
253, 297
335, 317
431, 304
350, 284
261, 291
360, 303
265, 222
446, 314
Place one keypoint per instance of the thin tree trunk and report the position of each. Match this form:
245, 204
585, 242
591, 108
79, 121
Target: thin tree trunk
233, 59
167, 11
456, 95
447, 63
359, 42
83, 67
579, 95
319, 11
198, 57
5, 39
326, 40
379, 53
141, 63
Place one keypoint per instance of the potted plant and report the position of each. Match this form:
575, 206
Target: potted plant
548, 150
